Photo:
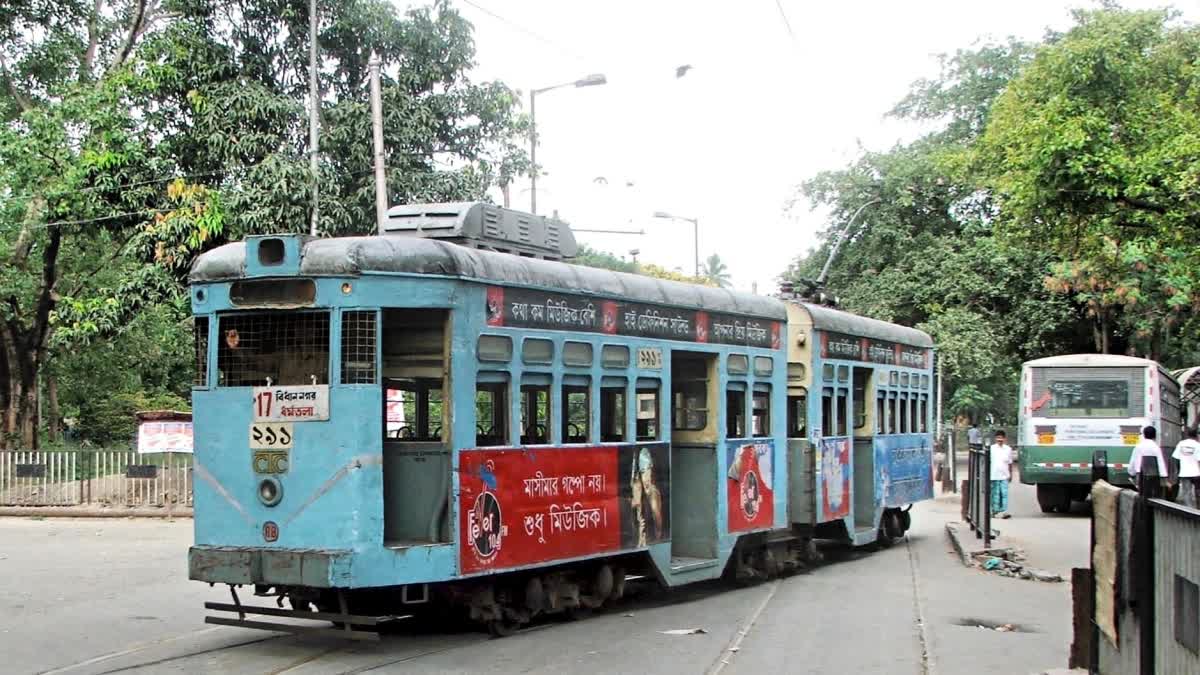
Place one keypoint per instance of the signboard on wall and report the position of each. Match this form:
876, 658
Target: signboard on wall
526, 308
303, 403
520, 507
164, 437
750, 486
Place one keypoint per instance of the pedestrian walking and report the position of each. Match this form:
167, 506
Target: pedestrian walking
1188, 455
1001, 473
1147, 447
974, 437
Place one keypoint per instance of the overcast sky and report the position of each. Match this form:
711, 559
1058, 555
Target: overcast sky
763, 108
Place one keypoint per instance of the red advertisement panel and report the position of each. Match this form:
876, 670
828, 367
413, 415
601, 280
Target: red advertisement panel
525, 506
750, 486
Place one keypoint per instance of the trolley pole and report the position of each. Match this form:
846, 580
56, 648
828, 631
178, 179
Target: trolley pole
381, 196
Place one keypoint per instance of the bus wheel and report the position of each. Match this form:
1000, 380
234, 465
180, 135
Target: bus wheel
1051, 497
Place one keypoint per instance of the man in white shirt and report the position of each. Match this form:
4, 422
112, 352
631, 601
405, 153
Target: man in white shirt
1001, 473
1188, 455
1147, 447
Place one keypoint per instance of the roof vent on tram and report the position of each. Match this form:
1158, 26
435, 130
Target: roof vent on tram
484, 226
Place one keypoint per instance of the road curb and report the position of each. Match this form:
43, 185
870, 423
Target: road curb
953, 534
91, 512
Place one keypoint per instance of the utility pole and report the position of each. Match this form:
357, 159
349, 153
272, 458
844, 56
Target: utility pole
381, 196
313, 112
533, 167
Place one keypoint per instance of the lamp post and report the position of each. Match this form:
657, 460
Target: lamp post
695, 235
592, 80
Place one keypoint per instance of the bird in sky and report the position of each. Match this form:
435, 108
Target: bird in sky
680, 71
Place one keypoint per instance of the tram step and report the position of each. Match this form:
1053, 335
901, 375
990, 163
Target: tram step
684, 564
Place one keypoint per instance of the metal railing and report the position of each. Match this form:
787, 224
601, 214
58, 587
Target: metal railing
978, 509
73, 477
1154, 598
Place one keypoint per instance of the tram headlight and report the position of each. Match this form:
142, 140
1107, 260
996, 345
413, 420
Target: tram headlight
270, 491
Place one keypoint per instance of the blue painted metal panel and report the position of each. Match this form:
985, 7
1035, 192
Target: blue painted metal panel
902, 469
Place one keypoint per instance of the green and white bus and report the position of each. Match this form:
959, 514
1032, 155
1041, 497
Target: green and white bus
1076, 404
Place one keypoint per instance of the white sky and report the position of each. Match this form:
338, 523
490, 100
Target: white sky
760, 112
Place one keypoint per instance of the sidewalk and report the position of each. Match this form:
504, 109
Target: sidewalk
95, 511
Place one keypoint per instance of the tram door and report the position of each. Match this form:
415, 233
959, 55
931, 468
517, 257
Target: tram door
864, 448
416, 456
694, 448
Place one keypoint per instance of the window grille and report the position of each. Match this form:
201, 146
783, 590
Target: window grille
256, 350
358, 347
200, 326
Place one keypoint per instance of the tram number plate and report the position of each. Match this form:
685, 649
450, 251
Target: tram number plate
270, 436
649, 358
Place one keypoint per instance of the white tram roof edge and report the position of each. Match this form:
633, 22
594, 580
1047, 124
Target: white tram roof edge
353, 256
837, 321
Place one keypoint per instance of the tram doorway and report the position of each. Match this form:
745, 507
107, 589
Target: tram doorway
694, 448
416, 456
864, 447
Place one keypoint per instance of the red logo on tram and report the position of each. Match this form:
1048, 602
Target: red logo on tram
270, 531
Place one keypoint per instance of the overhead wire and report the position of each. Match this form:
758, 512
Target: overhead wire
783, 15
534, 34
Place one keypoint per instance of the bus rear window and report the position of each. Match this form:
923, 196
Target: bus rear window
258, 350
1091, 398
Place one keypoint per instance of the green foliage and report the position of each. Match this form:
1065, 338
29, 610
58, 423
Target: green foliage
715, 272
591, 257
110, 420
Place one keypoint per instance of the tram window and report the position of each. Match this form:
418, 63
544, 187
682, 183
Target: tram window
536, 350
761, 413
495, 348
827, 372
577, 354
200, 328
860, 397
924, 381
904, 413
535, 414
577, 413
764, 365
904, 380
843, 411
414, 409
614, 356
612, 414
735, 413
923, 418
894, 378
880, 412
913, 410
797, 415
739, 364
843, 373
288, 348
491, 413
891, 416
647, 413
358, 347
827, 412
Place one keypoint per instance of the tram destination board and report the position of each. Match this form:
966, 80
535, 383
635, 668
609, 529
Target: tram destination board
526, 308
854, 348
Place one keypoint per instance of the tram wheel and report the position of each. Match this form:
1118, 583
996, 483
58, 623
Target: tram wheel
500, 628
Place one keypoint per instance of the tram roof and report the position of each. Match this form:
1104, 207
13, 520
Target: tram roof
1090, 360
352, 256
836, 321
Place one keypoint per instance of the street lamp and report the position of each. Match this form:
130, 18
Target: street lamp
592, 80
695, 235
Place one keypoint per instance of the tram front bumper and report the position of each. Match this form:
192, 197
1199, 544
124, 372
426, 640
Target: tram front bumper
275, 567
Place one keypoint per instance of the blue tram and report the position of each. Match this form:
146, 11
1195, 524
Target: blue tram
446, 416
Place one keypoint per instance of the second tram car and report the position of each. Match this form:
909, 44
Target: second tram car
411, 422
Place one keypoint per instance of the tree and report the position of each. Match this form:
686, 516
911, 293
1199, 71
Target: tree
715, 271
138, 133
1091, 154
923, 252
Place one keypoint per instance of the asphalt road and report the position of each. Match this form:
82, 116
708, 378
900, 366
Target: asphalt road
107, 596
